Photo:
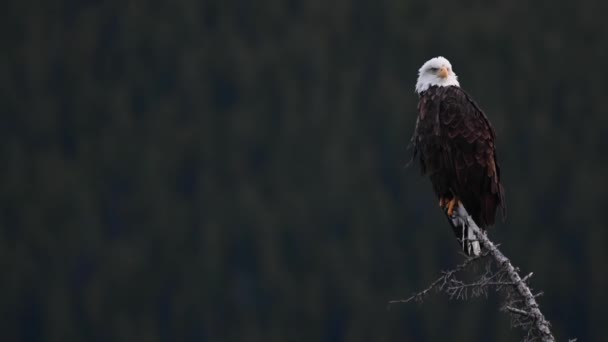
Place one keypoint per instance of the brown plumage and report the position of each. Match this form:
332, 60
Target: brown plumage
454, 143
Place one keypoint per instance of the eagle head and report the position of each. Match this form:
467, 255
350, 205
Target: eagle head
436, 72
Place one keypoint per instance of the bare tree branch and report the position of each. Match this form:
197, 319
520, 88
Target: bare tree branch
499, 275
530, 304
440, 283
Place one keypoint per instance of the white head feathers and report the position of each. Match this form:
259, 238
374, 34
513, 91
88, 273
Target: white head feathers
436, 72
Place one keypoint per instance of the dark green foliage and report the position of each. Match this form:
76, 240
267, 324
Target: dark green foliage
233, 170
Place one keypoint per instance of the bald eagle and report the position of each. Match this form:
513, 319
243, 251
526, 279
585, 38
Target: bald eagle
454, 144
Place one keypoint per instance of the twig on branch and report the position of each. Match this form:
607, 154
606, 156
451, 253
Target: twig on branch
519, 301
517, 311
525, 279
439, 283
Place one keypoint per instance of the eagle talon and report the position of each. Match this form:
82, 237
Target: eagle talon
451, 205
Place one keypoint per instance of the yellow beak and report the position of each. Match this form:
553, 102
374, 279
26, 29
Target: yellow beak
443, 72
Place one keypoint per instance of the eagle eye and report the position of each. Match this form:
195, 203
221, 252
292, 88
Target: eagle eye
434, 69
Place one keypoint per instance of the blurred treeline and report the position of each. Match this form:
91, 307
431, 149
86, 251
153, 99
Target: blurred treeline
234, 170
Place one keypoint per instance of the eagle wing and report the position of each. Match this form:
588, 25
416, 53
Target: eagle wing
468, 150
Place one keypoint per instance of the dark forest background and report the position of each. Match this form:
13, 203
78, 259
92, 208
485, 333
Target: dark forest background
234, 170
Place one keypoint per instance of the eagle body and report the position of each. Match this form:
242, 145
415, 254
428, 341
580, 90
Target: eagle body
455, 148
454, 144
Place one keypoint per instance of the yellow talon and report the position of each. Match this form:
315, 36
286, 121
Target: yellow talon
452, 204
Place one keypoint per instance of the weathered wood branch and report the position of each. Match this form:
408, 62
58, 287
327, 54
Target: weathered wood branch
529, 305
519, 302
440, 283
